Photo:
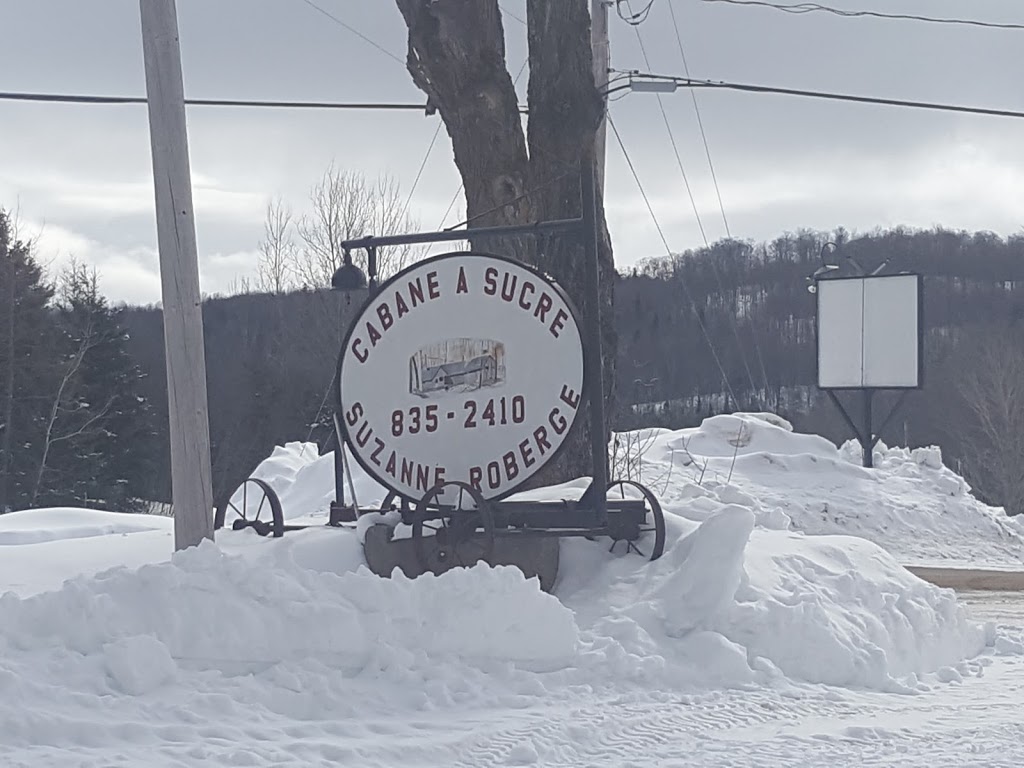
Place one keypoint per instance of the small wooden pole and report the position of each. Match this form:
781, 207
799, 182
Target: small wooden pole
602, 60
191, 486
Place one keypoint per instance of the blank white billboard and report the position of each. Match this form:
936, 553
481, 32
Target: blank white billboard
869, 333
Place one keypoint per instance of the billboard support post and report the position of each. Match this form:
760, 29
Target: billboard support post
868, 440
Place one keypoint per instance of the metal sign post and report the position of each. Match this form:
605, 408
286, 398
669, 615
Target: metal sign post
459, 379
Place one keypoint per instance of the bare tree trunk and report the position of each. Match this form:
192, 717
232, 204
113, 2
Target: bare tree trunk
565, 112
457, 58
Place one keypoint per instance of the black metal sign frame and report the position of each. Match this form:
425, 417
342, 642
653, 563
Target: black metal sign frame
585, 227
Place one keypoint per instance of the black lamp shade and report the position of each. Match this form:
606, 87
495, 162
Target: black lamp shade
349, 277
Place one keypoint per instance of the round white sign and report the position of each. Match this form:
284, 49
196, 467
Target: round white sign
462, 367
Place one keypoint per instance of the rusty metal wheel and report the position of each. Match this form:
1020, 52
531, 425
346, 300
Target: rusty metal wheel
652, 529
257, 498
449, 535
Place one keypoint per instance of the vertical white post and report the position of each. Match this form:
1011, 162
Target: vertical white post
602, 60
191, 486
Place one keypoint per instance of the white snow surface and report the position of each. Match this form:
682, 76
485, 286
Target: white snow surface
746, 643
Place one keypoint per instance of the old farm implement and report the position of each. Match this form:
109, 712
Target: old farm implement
459, 379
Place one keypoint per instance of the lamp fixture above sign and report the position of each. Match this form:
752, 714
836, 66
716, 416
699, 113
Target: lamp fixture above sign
464, 367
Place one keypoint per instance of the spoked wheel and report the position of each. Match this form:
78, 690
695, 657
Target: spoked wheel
260, 509
649, 536
449, 535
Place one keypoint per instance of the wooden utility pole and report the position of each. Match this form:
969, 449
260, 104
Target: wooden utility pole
191, 486
602, 60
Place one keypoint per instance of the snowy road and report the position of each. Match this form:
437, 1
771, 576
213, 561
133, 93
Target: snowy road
974, 723
291, 714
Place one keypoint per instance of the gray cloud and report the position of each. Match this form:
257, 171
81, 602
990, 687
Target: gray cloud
782, 162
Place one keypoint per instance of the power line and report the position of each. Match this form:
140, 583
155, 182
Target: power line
700, 122
672, 139
634, 19
685, 82
509, 13
455, 197
721, 205
803, 8
354, 31
66, 98
682, 171
419, 173
668, 250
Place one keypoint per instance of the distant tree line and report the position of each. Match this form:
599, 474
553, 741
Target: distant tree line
713, 330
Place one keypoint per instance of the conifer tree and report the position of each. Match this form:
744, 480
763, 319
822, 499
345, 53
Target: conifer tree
26, 337
99, 427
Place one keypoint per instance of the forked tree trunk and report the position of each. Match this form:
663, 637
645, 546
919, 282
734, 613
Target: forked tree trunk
457, 57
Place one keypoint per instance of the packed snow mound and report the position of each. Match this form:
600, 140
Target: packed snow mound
34, 526
730, 604
910, 503
211, 609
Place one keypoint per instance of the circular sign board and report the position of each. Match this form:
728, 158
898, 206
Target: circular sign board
463, 367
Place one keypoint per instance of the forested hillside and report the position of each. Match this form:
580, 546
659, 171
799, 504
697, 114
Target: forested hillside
704, 332
83, 394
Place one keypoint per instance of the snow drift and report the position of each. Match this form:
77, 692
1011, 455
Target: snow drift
741, 597
910, 504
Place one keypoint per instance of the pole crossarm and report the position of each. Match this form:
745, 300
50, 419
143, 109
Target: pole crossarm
446, 236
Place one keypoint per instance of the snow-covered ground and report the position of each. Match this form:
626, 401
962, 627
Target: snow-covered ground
747, 643
910, 504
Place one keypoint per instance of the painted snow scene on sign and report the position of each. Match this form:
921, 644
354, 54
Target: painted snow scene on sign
456, 365
780, 628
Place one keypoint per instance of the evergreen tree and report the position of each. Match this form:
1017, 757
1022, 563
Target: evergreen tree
26, 338
99, 428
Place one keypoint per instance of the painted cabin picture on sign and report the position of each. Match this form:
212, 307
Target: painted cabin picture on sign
456, 365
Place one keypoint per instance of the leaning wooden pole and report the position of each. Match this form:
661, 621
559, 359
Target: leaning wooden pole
191, 486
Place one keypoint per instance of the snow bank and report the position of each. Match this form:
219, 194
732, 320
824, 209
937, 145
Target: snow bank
730, 604
910, 504
34, 526
209, 609
741, 597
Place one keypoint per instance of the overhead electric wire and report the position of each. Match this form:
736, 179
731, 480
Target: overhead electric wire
668, 250
455, 197
700, 121
718, 194
354, 31
67, 98
672, 139
696, 213
804, 8
516, 199
419, 173
507, 12
685, 82
634, 19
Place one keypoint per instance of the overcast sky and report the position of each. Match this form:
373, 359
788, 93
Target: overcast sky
82, 174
